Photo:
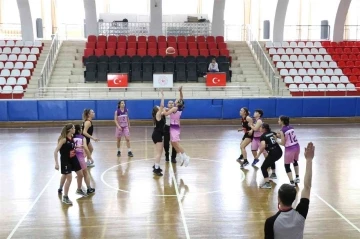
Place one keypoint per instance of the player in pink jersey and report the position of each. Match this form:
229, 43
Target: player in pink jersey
81, 149
175, 114
292, 148
255, 130
122, 122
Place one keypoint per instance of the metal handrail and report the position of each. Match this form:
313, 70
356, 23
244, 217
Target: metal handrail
284, 93
263, 60
350, 31
49, 62
306, 32
140, 92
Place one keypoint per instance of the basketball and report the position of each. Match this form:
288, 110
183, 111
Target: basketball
170, 50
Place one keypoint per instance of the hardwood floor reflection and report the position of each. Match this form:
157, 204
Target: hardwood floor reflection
211, 198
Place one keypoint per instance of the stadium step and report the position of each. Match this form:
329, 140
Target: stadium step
69, 72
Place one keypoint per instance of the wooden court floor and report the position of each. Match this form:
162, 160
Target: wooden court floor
211, 198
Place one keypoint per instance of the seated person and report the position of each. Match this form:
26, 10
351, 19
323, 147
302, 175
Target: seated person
213, 66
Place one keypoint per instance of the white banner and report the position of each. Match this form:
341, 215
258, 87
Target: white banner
163, 80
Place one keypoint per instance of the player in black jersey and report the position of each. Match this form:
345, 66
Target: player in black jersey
68, 162
268, 143
88, 130
246, 121
158, 134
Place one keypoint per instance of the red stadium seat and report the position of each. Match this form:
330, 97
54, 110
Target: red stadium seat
112, 38
110, 52
92, 38
122, 39
219, 39
152, 45
132, 38
171, 39
141, 39
111, 44
194, 52
190, 39
102, 39
152, 52
181, 39
182, 45
141, 45
120, 52
151, 39
161, 39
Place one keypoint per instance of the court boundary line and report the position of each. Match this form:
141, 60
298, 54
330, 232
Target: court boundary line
32, 206
179, 201
148, 140
338, 213
194, 125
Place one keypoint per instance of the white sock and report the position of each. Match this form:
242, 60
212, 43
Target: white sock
118, 149
157, 166
129, 149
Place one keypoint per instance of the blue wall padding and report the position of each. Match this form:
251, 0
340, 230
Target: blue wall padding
56, 110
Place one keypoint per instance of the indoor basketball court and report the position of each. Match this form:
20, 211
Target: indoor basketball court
211, 198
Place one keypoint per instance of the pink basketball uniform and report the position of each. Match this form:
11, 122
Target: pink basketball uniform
80, 152
175, 126
292, 147
122, 119
255, 143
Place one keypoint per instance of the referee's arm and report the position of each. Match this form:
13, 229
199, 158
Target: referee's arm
303, 206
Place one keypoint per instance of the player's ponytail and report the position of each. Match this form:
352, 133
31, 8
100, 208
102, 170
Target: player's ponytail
65, 131
154, 112
78, 129
246, 110
180, 105
266, 127
86, 113
285, 120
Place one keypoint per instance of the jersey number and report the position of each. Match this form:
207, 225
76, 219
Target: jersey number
292, 137
273, 141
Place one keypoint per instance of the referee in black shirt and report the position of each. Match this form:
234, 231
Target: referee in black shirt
289, 222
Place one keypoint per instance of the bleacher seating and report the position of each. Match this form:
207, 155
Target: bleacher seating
310, 68
347, 56
142, 56
17, 62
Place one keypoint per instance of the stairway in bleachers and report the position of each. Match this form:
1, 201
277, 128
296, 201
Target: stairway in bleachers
69, 70
316, 68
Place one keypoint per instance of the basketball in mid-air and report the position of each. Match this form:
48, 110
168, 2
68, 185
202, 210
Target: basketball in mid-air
170, 50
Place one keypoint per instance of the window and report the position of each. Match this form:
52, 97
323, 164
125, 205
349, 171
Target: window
138, 7
234, 18
187, 7
352, 29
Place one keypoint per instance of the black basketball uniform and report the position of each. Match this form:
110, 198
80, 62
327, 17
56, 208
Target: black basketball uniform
273, 149
158, 133
246, 129
68, 160
90, 131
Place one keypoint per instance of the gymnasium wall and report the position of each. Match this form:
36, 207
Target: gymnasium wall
60, 110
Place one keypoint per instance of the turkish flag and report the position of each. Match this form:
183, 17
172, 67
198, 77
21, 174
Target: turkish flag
117, 80
216, 79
